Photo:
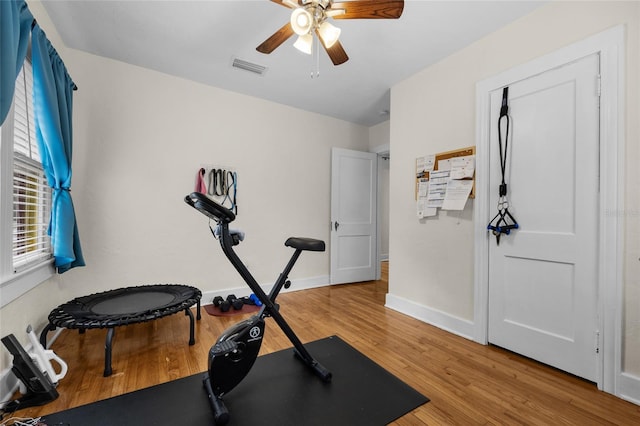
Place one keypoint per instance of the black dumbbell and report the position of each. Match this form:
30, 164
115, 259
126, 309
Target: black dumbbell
235, 302
223, 305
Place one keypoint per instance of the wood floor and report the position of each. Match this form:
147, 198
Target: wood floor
468, 384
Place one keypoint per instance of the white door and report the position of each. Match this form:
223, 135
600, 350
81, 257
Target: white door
543, 276
353, 216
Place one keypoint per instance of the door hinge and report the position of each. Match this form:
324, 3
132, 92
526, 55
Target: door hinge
597, 335
598, 85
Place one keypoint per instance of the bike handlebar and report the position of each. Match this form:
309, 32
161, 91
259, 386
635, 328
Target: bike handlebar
209, 208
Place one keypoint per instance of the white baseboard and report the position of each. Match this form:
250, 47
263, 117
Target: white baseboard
443, 320
629, 388
244, 291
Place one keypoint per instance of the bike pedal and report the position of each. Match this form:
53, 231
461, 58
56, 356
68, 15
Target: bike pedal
224, 347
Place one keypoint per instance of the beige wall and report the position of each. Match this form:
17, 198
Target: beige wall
379, 136
141, 137
434, 110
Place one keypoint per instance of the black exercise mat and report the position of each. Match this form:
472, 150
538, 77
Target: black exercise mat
278, 391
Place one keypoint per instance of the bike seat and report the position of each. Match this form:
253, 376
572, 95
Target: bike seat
302, 243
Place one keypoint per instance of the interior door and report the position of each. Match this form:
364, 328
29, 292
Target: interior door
543, 276
353, 216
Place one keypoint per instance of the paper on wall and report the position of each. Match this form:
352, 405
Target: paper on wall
421, 205
423, 187
463, 167
437, 187
456, 194
444, 164
425, 164
424, 211
419, 166
429, 162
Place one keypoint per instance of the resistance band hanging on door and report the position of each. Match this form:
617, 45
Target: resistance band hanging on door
503, 222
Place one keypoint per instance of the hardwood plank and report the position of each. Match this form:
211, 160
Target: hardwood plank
468, 383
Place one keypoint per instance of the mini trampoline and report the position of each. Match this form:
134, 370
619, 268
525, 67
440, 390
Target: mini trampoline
124, 306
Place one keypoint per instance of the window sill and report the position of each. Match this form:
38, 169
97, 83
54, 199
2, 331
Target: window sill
18, 284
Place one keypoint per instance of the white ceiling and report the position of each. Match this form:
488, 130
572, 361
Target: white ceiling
198, 40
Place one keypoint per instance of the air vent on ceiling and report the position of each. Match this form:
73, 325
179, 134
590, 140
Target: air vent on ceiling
249, 66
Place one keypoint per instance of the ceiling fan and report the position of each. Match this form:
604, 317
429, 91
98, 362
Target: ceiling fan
310, 17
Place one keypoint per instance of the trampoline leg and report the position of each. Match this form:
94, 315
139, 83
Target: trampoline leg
43, 335
107, 353
192, 339
198, 316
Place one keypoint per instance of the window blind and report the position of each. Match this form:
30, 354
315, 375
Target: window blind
31, 193
24, 136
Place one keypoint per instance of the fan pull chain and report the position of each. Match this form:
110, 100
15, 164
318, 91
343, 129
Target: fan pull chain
315, 73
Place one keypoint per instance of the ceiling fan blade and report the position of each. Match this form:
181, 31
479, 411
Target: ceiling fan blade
336, 52
279, 37
369, 9
292, 4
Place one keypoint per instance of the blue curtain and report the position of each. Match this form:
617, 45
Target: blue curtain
53, 99
15, 27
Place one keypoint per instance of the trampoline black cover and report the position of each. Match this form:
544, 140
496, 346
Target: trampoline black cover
124, 306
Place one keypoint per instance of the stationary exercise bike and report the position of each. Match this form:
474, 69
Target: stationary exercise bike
236, 350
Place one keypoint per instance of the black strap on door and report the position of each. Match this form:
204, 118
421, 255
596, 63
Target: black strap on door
503, 222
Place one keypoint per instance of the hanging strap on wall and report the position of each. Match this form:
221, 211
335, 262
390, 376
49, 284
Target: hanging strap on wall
231, 191
503, 222
200, 185
224, 183
212, 182
217, 182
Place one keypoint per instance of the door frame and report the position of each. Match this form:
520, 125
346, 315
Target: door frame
610, 46
383, 151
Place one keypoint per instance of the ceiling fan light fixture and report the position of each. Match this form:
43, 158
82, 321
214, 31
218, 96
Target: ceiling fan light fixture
308, 17
301, 21
304, 43
329, 34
